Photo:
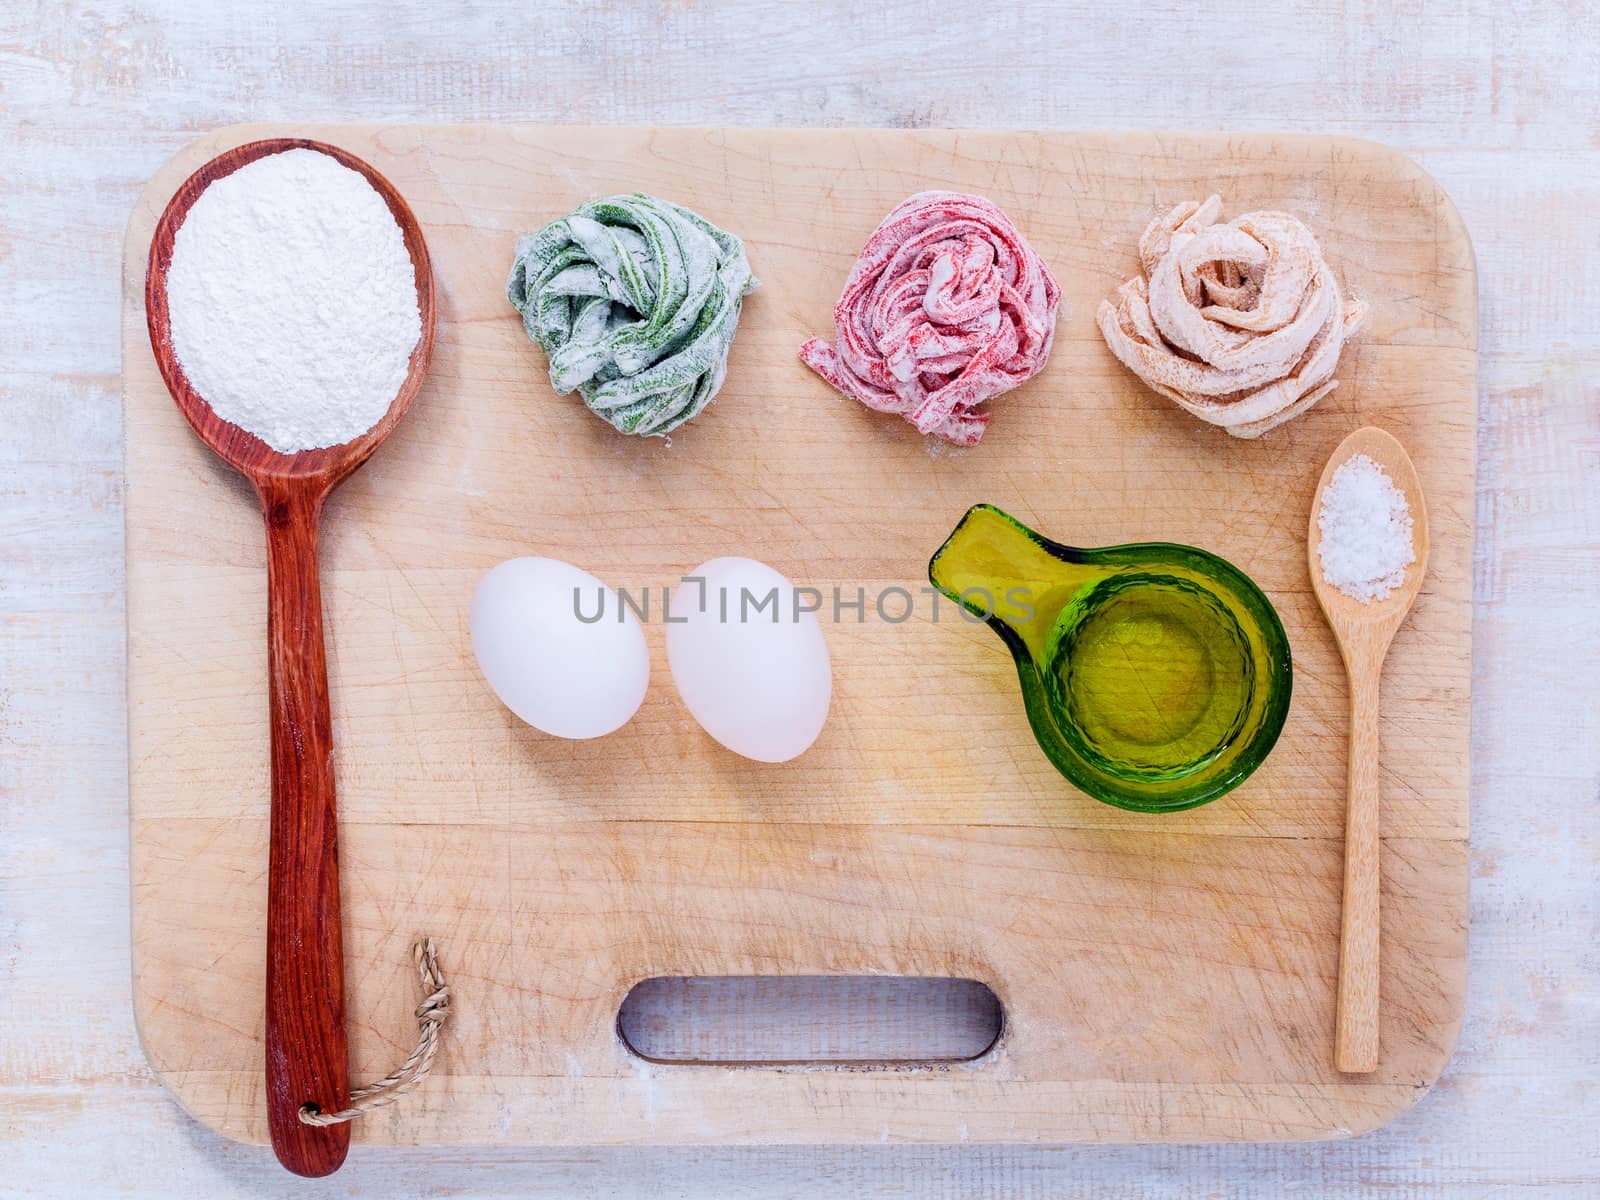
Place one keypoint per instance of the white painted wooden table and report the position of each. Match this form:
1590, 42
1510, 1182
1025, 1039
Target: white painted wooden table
1503, 107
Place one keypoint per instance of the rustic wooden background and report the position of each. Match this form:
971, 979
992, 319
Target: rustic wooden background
1501, 103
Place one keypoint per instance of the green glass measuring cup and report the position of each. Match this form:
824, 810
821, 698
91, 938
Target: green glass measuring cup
1155, 676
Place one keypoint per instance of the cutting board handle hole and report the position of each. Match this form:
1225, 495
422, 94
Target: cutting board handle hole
756, 1020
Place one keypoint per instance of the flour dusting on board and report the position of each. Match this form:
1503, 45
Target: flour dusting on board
293, 301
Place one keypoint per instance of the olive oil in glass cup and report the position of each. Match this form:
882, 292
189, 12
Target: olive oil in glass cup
1156, 677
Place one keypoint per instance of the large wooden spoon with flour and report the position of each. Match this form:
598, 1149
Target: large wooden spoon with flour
305, 1023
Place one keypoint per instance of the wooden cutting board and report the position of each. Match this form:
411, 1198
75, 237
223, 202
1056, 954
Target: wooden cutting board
1163, 978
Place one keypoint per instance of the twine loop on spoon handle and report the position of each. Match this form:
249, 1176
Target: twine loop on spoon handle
431, 1016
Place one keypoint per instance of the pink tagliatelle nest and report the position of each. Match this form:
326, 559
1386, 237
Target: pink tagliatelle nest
946, 308
1240, 323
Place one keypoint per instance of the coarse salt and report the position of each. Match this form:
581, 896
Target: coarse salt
1366, 531
293, 301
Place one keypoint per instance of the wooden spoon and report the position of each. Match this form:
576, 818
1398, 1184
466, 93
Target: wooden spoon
305, 1030
1364, 632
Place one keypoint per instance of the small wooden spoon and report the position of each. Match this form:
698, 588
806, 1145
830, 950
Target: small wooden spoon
305, 1030
1364, 632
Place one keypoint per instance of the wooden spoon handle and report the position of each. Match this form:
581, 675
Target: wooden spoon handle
306, 1048
1356, 1039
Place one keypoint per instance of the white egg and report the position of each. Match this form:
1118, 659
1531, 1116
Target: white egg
569, 677
752, 667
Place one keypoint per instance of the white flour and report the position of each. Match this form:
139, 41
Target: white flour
293, 301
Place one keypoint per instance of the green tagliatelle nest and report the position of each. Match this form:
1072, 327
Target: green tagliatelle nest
636, 301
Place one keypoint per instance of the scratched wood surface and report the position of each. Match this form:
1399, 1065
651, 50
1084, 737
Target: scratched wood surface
1500, 106
1163, 979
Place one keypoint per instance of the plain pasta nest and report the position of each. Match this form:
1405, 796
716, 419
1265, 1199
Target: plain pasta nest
1240, 323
